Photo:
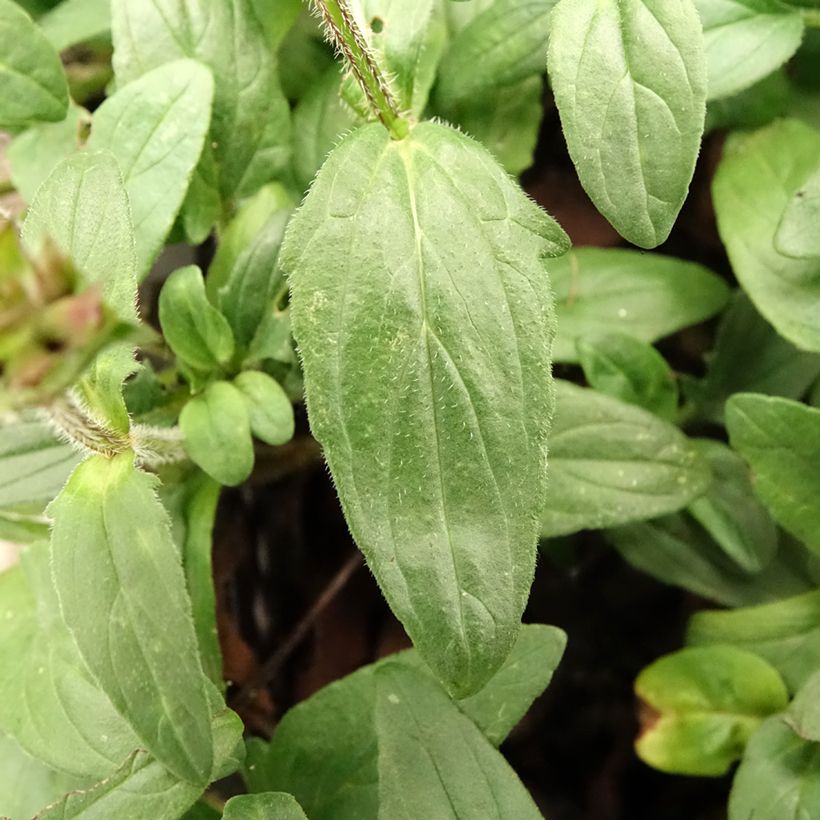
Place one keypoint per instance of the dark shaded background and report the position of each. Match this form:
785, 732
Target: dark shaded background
282, 539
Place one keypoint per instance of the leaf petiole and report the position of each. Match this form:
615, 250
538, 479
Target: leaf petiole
343, 31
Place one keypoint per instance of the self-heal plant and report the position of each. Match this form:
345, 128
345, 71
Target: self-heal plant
348, 231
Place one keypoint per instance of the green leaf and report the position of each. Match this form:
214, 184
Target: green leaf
778, 778
277, 18
122, 593
217, 433
611, 463
786, 633
268, 806
319, 120
26, 785
35, 153
527, 672
804, 712
269, 409
746, 40
251, 119
501, 46
628, 369
730, 513
601, 290
34, 84
34, 465
75, 21
777, 368
629, 78
48, 700
799, 228
705, 704
758, 177
335, 731
781, 441
755, 107
431, 756
156, 126
677, 551
194, 329
100, 244
506, 122
191, 503
427, 378
407, 41
141, 789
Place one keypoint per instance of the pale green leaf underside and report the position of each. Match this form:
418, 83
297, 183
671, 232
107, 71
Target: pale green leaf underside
267, 806
611, 463
423, 311
759, 175
156, 127
609, 290
746, 40
781, 441
122, 593
31, 75
799, 230
629, 78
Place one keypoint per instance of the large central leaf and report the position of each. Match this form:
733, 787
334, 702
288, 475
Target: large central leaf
423, 312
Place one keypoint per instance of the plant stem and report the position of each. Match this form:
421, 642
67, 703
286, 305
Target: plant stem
343, 31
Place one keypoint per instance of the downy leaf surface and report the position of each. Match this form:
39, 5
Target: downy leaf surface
31, 74
629, 78
135, 631
612, 462
268, 806
422, 307
780, 439
75, 21
646, 296
797, 234
758, 177
156, 126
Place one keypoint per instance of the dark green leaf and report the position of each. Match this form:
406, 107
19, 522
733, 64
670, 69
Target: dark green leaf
786, 633
781, 441
628, 369
777, 367
501, 46
677, 551
705, 704
647, 296
156, 127
629, 78
122, 593
730, 513
746, 40
432, 756
755, 107
427, 377
799, 228
268, 806
218, 434
194, 329
778, 778
32, 77
269, 409
758, 177
527, 672
611, 463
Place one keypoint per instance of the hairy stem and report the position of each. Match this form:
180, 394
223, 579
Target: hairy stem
342, 30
